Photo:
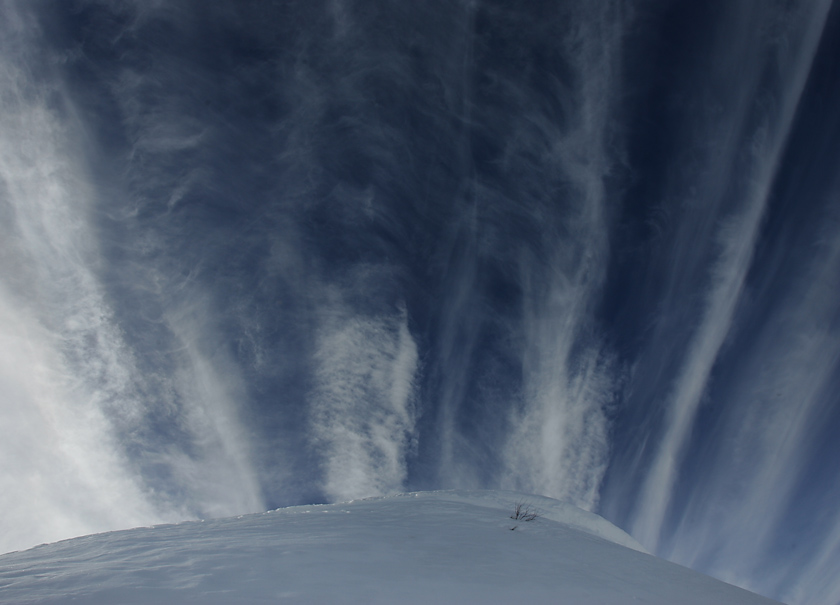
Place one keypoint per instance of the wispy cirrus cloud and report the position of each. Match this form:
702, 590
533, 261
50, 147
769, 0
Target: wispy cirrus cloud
736, 238
558, 444
75, 393
62, 362
771, 432
363, 404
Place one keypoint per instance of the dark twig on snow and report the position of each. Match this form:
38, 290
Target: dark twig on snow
523, 512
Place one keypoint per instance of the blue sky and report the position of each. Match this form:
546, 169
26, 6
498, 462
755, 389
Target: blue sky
262, 254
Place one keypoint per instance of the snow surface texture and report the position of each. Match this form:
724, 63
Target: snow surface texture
424, 547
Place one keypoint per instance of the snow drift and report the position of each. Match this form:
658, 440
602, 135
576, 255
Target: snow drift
424, 547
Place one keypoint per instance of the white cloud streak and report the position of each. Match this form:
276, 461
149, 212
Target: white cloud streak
62, 475
559, 438
216, 471
61, 358
737, 238
776, 408
363, 413
67, 377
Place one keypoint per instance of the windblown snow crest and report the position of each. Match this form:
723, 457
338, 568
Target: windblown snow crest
422, 547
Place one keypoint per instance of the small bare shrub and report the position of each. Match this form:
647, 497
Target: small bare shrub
523, 512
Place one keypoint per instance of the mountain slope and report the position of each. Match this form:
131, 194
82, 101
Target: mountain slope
425, 547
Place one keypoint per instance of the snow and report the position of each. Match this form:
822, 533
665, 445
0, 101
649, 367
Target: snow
424, 547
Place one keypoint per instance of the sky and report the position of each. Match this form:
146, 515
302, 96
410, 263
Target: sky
262, 254
451, 546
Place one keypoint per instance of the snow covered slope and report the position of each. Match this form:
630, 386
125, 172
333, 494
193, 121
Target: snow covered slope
426, 547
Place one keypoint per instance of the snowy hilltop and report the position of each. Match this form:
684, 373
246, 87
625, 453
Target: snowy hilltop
424, 547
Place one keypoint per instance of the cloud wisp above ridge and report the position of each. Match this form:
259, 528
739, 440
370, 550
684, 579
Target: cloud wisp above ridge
736, 239
63, 361
773, 423
364, 404
558, 441
73, 387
